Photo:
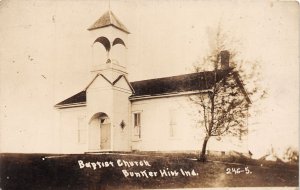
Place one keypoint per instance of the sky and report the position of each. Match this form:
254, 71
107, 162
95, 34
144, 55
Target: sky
46, 55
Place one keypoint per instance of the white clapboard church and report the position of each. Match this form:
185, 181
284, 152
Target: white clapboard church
114, 114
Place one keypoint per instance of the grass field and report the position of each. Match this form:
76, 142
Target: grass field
112, 171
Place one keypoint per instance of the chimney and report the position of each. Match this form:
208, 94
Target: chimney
225, 55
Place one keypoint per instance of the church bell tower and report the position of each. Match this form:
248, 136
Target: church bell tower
109, 47
107, 95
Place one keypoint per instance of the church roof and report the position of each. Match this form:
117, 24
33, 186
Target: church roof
108, 19
76, 99
167, 85
176, 84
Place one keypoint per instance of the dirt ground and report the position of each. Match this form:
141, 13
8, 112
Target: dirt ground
132, 171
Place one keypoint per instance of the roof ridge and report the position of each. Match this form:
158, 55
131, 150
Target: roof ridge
109, 13
187, 74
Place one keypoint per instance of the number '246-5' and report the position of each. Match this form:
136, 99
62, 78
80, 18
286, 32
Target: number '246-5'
238, 170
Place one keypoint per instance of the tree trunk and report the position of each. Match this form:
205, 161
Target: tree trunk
203, 157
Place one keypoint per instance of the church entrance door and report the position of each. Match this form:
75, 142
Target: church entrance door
99, 133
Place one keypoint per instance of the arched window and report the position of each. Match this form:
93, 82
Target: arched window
101, 48
118, 41
105, 42
118, 52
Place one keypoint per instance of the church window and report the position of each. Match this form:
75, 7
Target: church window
137, 124
82, 131
173, 123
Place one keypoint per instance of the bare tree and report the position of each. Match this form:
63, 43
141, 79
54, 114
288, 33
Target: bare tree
224, 106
